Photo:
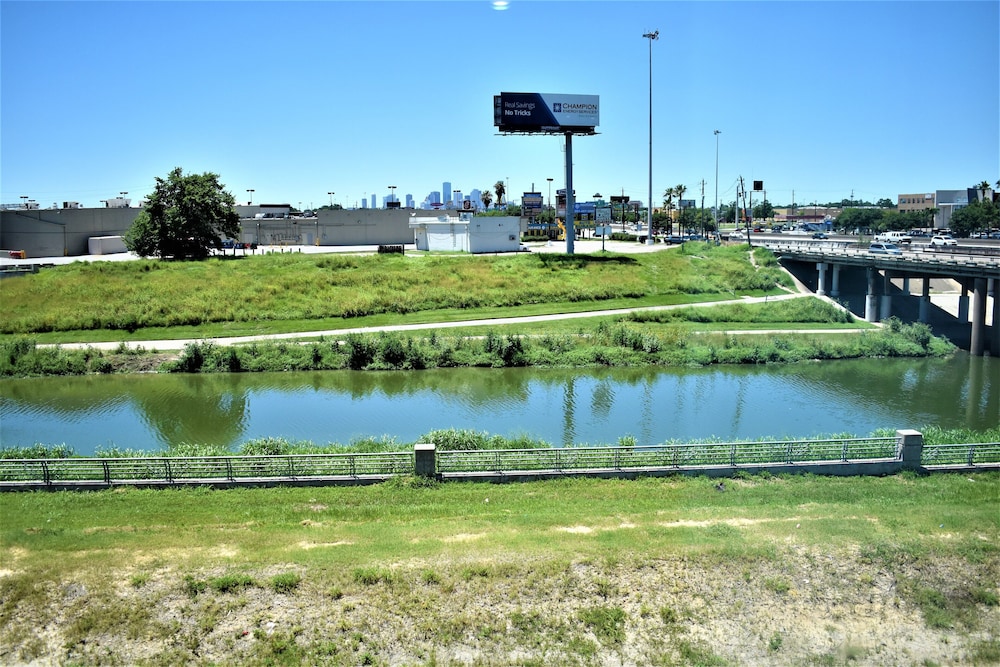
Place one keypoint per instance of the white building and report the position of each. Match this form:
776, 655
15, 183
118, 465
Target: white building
474, 234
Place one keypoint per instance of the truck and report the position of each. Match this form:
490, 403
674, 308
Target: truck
893, 237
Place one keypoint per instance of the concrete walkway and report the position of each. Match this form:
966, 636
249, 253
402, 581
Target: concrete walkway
180, 344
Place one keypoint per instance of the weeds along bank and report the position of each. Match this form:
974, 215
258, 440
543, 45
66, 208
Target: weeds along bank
641, 339
800, 570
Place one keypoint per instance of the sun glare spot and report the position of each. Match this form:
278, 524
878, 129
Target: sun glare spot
500, 5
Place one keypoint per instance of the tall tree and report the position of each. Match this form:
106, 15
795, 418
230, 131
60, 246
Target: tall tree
679, 191
668, 203
487, 198
186, 217
983, 187
499, 188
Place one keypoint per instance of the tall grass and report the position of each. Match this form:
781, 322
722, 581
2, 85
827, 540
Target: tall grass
638, 339
130, 296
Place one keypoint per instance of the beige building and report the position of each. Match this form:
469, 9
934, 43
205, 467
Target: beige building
917, 202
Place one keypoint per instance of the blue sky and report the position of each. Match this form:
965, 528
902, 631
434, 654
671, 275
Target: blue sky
297, 99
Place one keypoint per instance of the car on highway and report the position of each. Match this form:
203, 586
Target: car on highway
941, 240
880, 248
820, 235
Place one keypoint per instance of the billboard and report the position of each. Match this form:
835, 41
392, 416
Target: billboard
546, 112
531, 204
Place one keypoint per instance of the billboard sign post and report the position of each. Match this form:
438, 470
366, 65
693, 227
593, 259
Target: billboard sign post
550, 113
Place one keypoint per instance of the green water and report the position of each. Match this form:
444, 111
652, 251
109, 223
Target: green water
564, 406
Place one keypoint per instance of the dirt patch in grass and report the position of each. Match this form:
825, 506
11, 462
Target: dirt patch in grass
798, 607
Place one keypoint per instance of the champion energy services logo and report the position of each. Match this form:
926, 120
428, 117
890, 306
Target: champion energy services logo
560, 107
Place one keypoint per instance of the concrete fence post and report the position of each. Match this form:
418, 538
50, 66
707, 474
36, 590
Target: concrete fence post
424, 460
910, 445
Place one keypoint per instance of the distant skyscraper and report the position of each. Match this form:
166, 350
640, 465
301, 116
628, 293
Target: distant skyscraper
445, 192
373, 200
477, 198
434, 197
456, 198
409, 201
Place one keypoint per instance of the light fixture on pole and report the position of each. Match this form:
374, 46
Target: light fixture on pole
25, 202
124, 203
392, 194
715, 211
251, 191
651, 36
331, 198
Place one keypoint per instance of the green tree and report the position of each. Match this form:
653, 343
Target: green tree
984, 215
983, 187
863, 220
501, 190
668, 204
487, 198
185, 217
885, 203
763, 211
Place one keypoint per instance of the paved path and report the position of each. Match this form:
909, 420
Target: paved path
180, 344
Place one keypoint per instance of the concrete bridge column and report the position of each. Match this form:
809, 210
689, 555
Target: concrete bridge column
925, 302
995, 338
906, 285
835, 291
963, 302
886, 296
871, 305
978, 345
821, 285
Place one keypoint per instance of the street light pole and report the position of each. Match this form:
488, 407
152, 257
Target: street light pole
331, 198
124, 203
392, 194
651, 36
250, 191
716, 209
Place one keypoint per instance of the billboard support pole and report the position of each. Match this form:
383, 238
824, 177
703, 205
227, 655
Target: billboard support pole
570, 204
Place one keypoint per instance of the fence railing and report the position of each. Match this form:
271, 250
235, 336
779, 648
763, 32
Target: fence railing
168, 470
960, 455
667, 455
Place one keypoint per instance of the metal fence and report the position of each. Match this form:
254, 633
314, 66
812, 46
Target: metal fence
198, 469
304, 468
667, 456
960, 455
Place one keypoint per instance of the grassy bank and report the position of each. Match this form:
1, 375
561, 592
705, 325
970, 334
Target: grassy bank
637, 339
260, 294
777, 570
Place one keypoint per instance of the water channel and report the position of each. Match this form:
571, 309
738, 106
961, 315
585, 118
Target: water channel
559, 406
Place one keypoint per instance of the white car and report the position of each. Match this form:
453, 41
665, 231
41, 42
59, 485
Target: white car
884, 249
942, 240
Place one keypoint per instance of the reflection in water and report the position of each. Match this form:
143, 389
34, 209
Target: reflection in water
653, 404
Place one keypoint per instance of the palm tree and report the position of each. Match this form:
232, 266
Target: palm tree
679, 191
487, 198
500, 190
983, 187
668, 203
